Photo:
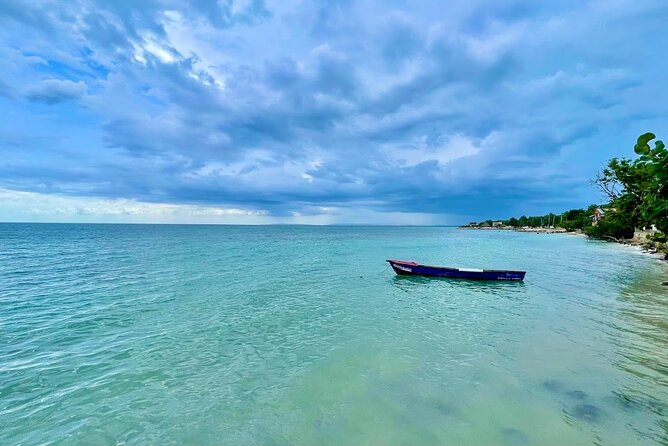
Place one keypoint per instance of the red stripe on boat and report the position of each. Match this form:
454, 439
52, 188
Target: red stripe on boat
403, 262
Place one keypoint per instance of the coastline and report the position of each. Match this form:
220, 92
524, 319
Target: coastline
637, 243
534, 230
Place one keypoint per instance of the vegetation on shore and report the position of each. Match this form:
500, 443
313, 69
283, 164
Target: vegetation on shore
571, 220
637, 193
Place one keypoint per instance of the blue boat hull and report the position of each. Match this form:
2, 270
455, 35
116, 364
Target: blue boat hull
405, 268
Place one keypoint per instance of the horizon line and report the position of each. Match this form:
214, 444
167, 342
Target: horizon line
222, 224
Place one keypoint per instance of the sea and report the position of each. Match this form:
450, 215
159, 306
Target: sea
302, 335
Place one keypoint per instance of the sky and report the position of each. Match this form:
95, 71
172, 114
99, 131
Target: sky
320, 112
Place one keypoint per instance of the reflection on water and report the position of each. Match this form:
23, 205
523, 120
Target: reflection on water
504, 287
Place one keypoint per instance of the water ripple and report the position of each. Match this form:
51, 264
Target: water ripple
205, 335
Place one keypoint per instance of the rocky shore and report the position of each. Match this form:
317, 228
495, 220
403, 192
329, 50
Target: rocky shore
511, 228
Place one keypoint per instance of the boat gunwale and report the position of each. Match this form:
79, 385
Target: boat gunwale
449, 268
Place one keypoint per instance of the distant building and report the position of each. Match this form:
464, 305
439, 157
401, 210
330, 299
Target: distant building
497, 223
473, 223
651, 230
599, 214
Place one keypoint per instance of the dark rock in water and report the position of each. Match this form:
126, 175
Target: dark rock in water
443, 408
577, 394
553, 385
666, 282
514, 437
558, 387
587, 412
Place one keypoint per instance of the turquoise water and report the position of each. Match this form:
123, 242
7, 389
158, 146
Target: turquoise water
216, 335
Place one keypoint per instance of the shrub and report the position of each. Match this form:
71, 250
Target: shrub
610, 228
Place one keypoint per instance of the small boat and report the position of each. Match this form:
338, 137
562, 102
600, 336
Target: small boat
405, 268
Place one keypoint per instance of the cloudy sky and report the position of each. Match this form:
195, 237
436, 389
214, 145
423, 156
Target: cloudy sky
339, 111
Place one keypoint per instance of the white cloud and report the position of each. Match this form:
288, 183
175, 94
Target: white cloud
458, 146
198, 39
33, 206
19, 206
260, 169
488, 47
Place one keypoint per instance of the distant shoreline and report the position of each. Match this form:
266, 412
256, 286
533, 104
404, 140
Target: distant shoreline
554, 230
634, 242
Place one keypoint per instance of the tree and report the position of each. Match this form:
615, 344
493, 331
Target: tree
653, 163
628, 179
615, 226
576, 219
637, 190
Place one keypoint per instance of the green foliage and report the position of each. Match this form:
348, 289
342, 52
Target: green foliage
623, 181
637, 189
570, 220
653, 163
571, 225
659, 237
611, 228
576, 219
573, 219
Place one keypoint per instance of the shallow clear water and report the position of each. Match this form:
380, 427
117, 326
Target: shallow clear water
215, 335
